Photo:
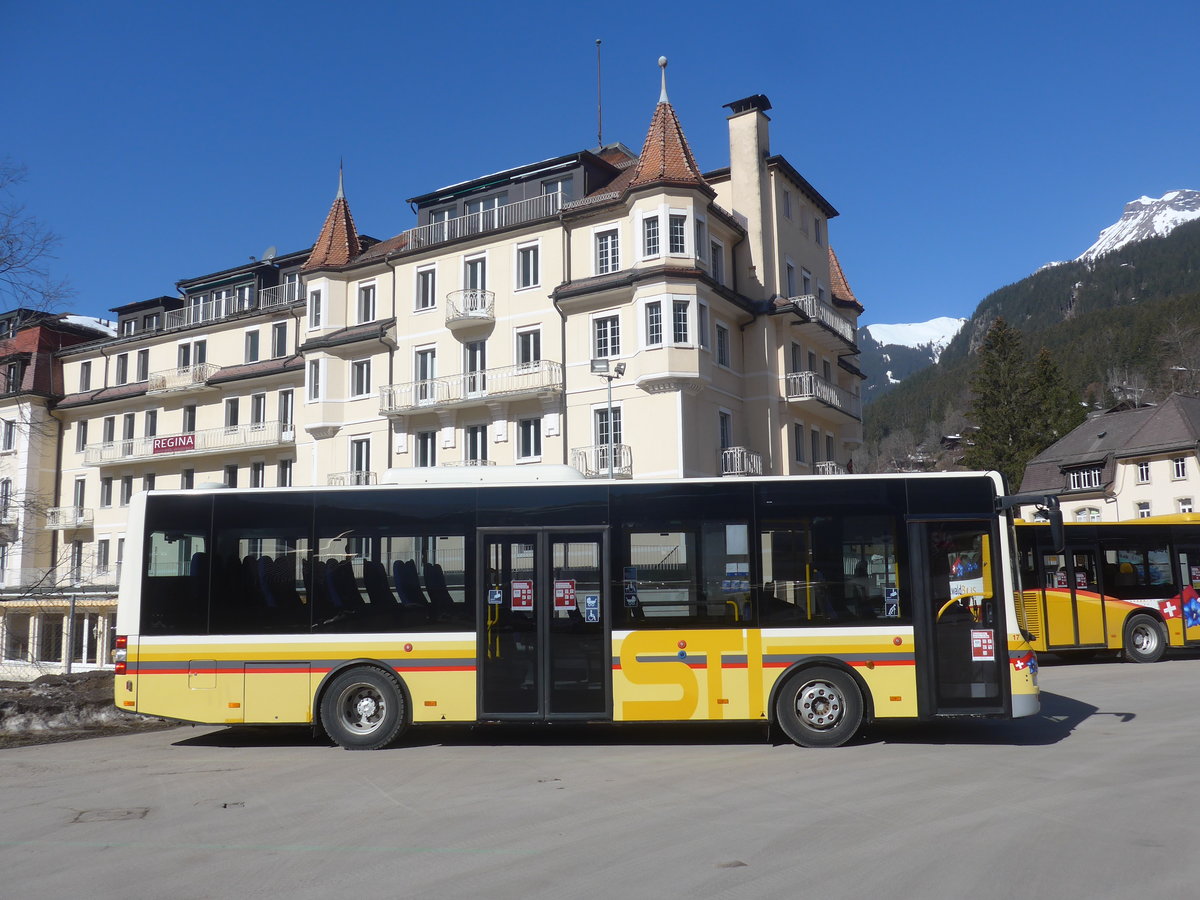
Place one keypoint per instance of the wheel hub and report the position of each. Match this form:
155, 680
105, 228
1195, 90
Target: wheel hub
366, 707
819, 705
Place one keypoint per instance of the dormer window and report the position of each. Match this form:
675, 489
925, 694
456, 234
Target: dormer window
1085, 478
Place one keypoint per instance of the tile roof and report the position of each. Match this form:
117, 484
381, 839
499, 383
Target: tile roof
666, 157
122, 392
255, 369
840, 287
338, 242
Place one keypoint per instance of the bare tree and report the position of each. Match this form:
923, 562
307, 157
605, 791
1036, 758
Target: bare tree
26, 248
1182, 363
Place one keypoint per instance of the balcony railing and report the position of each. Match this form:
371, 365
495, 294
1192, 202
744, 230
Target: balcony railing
280, 295
182, 379
195, 443
510, 214
64, 517
352, 479
811, 386
829, 468
55, 578
468, 462
208, 311
593, 461
531, 379
821, 312
740, 461
470, 307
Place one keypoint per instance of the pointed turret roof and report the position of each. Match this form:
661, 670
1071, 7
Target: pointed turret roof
338, 243
839, 286
666, 157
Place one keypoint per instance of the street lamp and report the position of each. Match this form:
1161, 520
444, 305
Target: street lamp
604, 368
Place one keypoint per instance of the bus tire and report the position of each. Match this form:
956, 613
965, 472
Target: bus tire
363, 709
819, 707
1145, 639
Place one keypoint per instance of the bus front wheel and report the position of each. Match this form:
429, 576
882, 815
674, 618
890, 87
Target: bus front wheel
1145, 639
819, 707
363, 709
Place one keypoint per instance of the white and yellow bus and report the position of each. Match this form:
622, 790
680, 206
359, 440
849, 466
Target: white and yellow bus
815, 604
1132, 587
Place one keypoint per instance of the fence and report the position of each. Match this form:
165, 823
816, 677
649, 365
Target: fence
51, 636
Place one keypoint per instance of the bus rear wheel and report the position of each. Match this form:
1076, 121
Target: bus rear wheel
819, 707
1145, 639
363, 709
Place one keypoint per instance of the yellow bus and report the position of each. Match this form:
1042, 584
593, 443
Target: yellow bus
815, 604
1129, 587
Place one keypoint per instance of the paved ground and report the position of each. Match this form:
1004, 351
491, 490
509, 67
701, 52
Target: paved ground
1095, 798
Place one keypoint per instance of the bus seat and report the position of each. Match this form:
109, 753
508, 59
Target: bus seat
439, 593
198, 577
262, 568
283, 577
339, 574
376, 583
408, 583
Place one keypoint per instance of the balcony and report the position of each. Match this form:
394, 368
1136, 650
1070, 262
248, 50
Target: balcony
468, 462
280, 295
538, 379
52, 580
471, 307
208, 311
352, 479
829, 468
809, 308
740, 461
64, 518
593, 461
802, 386
519, 213
231, 439
183, 380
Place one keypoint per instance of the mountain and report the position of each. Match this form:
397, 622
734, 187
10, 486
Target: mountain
1145, 217
890, 353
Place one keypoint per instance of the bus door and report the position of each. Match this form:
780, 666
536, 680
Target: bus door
544, 648
1188, 575
958, 617
1074, 599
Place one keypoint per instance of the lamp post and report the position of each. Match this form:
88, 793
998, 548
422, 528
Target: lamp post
604, 368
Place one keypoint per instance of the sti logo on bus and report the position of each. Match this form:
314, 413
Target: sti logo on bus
174, 443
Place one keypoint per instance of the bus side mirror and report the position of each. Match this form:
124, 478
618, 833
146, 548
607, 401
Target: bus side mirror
1058, 535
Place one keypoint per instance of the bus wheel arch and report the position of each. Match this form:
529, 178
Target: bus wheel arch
363, 705
1145, 638
820, 702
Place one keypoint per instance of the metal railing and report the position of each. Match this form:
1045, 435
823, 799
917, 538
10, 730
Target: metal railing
593, 461
181, 379
352, 479
740, 461
821, 312
468, 462
470, 305
228, 439
280, 295
811, 386
829, 468
518, 213
208, 311
541, 377
53, 579
69, 517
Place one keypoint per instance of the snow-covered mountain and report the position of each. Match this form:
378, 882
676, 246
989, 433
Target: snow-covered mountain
1144, 218
933, 335
890, 353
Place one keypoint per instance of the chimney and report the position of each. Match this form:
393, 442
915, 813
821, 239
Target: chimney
749, 147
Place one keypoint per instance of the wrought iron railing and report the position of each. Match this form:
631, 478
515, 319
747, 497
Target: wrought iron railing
181, 378
829, 468
541, 377
740, 461
352, 479
280, 295
821, 312
518, 213
593, 462
69, 517
811, 386
210, 440
470, 305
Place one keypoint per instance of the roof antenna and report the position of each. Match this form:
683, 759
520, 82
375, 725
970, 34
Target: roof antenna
599, 116
662, 64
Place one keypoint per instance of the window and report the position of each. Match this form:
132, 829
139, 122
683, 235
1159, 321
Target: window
258, 474
231, 475
814, 446
360, 378
143, 365
426, 287
122, 375
678, 233
1081, 479
475, 367
426, 449
102, 557
529, 439
106, 491
798, 442
278, 340
724, 429
608, 434
314, 309
723, 357
128, 426
150, 322
1143, 509
475, 449
85, 376
360, 456
1087, 514
718, 262
805, 282
1179, 464
679, 321
702, 324
529, 348
1184, 504
817, 231
283, 473
189, 419
252, 346
128, 326
286, 405
475, 273
485, 209
314, 379
193, 353
126, 489
607, 252
79, 498
425, 371
12, 377
790, 279
109, 429
80, 437
5, 498
787, 204
258, 411
650, 241
150, 423
366, 303
701, 240
231, 414
606, 336
187, 479
654, 336
10, 435
148, 481
558, 186
1143, 472
527, 266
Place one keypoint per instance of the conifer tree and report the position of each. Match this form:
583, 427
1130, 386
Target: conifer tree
1001, 406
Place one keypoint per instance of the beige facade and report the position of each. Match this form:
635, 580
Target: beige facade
714, 299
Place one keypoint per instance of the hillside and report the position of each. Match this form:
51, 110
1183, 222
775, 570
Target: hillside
1132, 316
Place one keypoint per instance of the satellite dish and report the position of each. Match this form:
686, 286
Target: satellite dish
269, 254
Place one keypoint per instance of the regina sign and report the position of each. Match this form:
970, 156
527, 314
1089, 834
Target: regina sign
175, 443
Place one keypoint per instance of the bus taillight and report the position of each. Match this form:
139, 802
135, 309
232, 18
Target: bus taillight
120, 653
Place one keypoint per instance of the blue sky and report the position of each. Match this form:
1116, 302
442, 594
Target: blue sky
964, 143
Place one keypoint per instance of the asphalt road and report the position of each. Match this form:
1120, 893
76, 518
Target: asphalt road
1095, 798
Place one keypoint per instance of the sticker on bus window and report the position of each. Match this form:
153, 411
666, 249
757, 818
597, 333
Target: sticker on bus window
631, 594
495, 597
591, 607
564, 594
1060, 578
1196, 577
891, 603
522, 595
983, 644
1081, 581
